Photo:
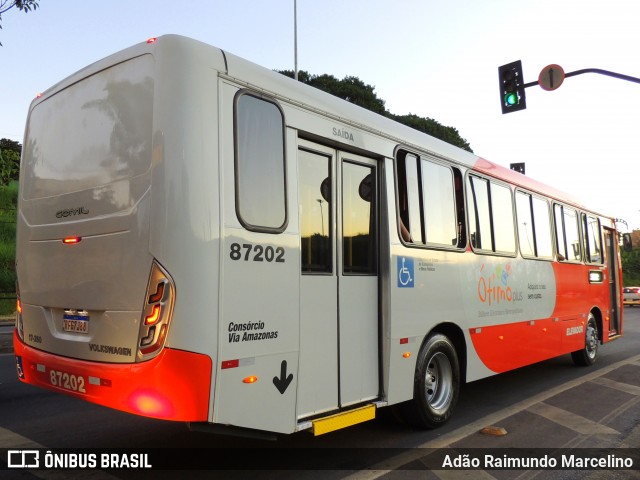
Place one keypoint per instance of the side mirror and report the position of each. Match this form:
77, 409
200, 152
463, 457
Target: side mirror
627, 243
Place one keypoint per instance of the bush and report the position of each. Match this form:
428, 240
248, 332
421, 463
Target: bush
8, 205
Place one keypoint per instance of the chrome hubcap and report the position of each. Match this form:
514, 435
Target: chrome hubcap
439, 381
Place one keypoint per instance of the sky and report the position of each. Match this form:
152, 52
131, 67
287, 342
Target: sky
432, 58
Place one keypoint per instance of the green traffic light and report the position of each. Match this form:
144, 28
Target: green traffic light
511, 98
512, 87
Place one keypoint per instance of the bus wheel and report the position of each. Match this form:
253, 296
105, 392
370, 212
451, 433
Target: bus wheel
436, 383
587, 355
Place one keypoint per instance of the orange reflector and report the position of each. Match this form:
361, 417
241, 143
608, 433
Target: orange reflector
501, 337
406, 354
154, 317
250, 379
18, 306
70, 240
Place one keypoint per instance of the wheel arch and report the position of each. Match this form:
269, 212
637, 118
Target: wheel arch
597, 313
456, 335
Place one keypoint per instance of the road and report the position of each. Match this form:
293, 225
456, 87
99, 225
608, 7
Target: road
552, 405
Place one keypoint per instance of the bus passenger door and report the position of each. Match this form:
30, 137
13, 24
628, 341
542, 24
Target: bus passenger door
610, 239
339, 359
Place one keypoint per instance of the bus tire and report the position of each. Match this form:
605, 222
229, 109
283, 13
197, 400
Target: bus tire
587, 355
436, 383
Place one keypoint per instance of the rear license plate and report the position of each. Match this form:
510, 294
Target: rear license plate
75, 321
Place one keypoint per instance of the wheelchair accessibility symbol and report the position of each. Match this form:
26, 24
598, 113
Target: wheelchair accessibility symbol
405, 272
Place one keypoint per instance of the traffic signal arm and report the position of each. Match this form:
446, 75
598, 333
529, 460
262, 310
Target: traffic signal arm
512, 86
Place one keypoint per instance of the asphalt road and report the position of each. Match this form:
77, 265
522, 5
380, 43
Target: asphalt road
551, 405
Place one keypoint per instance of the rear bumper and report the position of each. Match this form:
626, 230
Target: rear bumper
175, 385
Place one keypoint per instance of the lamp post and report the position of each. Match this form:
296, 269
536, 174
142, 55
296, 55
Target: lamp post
295, 39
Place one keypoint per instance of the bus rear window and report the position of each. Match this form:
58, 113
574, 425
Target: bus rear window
92, 133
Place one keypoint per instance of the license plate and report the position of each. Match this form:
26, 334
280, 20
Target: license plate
75, 321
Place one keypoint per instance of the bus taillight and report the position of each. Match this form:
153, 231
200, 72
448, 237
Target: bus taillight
156, 314
154, 317
19, 324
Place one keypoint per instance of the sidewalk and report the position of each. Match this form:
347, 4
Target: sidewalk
596, 414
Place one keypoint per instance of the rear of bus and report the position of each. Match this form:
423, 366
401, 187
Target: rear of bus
95, 304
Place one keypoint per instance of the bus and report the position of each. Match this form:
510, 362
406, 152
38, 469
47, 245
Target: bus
203, 240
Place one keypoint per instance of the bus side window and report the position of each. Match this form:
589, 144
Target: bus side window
491, 222
430, 202
567, 234
459, 193
261, 200
534, 231
409, 209
438, 197
479, 213
592, 239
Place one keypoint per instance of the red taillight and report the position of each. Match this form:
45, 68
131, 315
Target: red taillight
154, 347
19, 323
156, 314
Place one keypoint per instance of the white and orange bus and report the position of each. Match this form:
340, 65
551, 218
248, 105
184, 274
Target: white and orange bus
204, 240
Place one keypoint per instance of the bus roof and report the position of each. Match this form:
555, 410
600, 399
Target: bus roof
291, 91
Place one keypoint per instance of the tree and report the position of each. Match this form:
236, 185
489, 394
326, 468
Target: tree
9, 160
631, 261
351, 89
433, 128
356, 91
23, 5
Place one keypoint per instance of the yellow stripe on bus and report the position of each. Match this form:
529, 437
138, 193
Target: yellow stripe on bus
343, 420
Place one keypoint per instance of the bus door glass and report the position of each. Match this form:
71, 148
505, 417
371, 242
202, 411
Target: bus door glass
338, 199
612, 267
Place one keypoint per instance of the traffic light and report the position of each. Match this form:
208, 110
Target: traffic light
511, 80
518, 167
